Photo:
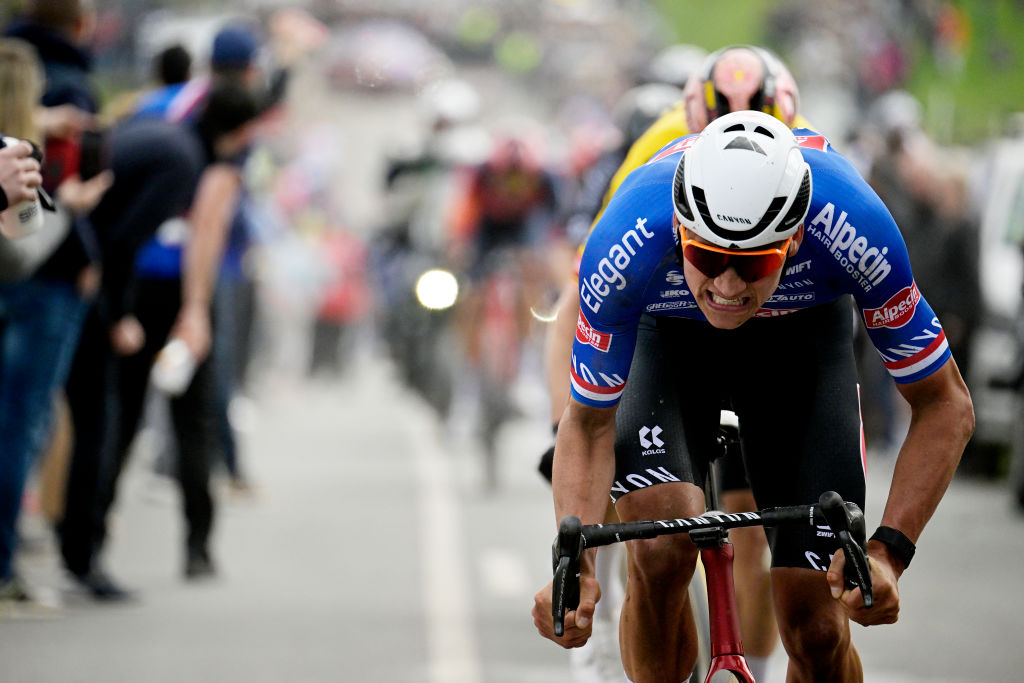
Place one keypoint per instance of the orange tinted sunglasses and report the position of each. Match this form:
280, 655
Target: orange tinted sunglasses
750, 265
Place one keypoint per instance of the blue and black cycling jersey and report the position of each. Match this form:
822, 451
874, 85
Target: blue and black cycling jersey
851, 246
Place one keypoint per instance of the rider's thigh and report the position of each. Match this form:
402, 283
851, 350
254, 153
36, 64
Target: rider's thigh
665, 556
751, 543
813, 626
667, 500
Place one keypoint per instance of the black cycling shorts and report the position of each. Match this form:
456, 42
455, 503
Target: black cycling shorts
792, 382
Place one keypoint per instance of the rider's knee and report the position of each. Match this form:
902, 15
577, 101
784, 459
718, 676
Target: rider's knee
815, 640
662, 560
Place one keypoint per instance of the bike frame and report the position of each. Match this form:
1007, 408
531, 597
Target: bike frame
725, 637
726, 640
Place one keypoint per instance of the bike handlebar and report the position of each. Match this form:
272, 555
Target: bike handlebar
846, 520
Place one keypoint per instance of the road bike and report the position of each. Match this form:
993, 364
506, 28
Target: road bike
709, 532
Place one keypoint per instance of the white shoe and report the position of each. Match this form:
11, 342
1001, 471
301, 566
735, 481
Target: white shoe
599, 660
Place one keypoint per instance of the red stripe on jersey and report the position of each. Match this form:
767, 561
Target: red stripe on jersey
936, 343
593, 387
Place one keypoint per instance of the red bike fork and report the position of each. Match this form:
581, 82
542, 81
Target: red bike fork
726, 641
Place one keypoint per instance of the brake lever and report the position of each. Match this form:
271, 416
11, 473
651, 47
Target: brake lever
565, 589
847, 523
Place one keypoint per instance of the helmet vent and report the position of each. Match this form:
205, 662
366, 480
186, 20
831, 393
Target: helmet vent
735, 127
800, 205
770, 213
764, 131
679, 192
742, 142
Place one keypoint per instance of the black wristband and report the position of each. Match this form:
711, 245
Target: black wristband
899, 545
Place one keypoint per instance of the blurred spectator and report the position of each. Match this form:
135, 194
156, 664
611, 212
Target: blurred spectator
172, 65
185, 291
233, 59
343, 302
926, 193
152, 311
156, 165
40, 315
61, 31
21, 434
20, 88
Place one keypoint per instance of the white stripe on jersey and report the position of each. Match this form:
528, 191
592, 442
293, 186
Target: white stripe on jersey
602, 397
921, 364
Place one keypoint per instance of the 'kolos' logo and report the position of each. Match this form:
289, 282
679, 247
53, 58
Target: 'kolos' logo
896, 312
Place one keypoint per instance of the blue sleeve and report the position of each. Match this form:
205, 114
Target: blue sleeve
622, 252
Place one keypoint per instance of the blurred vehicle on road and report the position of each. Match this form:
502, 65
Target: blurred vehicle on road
384, 55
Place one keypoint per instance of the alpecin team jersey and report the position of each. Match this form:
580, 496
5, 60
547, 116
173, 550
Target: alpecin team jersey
851, 246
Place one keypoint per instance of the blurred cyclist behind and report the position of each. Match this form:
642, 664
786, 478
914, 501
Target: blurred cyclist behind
505, 212
632, 115
733, 78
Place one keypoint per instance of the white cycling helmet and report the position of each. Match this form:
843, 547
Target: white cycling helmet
743, 184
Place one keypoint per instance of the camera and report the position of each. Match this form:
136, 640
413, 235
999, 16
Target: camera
29, 213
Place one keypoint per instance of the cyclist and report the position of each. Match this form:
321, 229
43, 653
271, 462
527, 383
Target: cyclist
732, 78
502, 216
722, 270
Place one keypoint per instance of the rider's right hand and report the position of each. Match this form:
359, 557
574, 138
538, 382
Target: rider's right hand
578, 623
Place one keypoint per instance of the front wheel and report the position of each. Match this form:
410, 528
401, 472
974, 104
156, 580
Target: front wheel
699, 604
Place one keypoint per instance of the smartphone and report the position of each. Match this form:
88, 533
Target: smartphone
92, 154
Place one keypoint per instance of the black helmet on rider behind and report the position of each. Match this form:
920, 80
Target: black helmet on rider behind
675, 65
641, 106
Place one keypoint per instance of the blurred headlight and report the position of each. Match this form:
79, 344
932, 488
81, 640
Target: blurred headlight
437, 289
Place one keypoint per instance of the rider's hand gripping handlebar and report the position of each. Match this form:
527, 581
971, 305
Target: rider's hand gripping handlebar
847, 523
566, 553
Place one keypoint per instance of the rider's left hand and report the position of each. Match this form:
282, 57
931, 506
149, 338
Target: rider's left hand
886, 607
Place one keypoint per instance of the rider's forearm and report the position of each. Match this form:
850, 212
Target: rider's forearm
584, 463
558, 349
942, 421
